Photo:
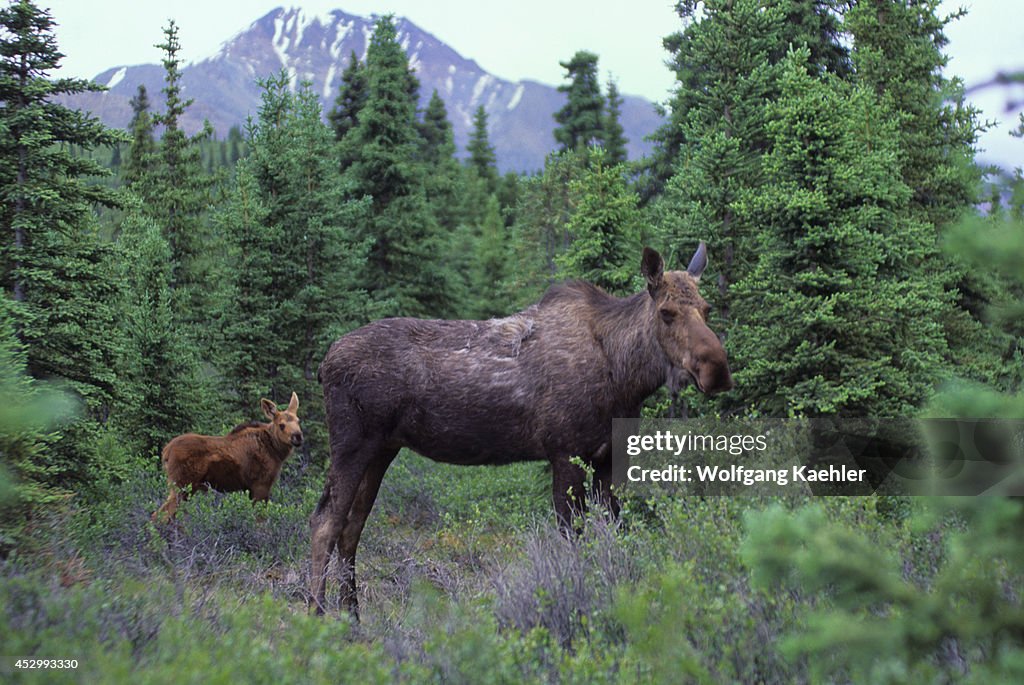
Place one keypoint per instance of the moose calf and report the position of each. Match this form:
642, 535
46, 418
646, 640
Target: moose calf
247, 458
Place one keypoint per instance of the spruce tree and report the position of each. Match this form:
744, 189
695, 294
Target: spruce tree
481, 152
726, 64
604, 227
490, 264
540, 233
837, 315
710, 150
143, 144
351, 98
581, 119
295, 256
614, 135
436, 132
176, 192
161, 389
252, 350
898, 52
28, 411
403, 264
52, 261
437, 153
235, 144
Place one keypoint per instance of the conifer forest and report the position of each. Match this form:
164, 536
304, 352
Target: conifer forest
862, 262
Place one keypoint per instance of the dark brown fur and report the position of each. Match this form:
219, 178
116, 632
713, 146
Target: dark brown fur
248, 458
543, 384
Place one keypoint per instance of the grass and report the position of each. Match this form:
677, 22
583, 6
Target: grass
463, 578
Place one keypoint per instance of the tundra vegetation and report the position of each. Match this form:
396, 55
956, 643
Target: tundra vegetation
862, 263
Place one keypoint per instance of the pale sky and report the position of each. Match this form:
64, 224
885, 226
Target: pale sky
523, 39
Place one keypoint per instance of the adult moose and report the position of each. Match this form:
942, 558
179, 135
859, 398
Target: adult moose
543, 384
248, 458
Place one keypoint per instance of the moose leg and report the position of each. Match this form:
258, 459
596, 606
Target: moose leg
328, 521
567, 493
347, 542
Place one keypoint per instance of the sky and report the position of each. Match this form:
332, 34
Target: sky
524, 39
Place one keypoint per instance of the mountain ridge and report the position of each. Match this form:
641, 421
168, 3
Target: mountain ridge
316, 47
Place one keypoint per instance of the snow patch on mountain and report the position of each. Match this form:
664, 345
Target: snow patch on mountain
516, 97
481, 85
117, 77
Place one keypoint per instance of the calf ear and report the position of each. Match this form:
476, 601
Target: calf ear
699, 261
652, 266
293, 406
269, 408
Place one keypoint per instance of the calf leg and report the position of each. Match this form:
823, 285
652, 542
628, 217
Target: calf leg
353, 528
166, 512
567, 493
177, 495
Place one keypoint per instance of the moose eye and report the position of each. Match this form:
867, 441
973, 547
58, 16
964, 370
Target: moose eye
667, 315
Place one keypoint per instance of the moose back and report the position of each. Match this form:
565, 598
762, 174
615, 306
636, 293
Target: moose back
543, 384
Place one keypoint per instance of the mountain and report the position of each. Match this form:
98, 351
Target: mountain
317, 48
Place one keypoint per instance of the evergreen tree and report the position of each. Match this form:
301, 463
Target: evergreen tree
839, 264
442, 171
604, 227
27, 412
447, 193
161, 390
726, 63
481, 152
490, 265
898, 52
235, 143
252, 349
875, 619
539, 233
295, 256
176, 192
53, 262
403, 259
614, 138
351, 99
580, 120
713, 143
436, 132
143, 144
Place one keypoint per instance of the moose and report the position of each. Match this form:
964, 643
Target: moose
542, 384
247, 458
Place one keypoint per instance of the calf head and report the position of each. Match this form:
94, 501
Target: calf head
285, 424
681, 322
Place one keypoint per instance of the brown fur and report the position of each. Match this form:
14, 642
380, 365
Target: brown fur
543, 384
248, 458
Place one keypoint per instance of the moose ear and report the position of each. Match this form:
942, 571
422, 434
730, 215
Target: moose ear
269, 408
293, 406
652, 266
699, 261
